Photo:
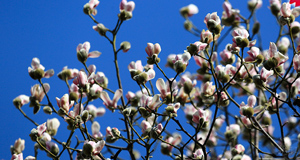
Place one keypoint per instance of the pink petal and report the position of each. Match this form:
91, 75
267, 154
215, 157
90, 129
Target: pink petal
94, 54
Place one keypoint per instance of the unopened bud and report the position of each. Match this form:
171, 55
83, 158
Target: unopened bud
125, 46
192, 49
87, 149
47, 110
64, 75
73, 96
37, 74
187, 87
124, 15
256, 28
248, 112
274, 9
85, 115
188, 25
82, 56
101, 29
179, 67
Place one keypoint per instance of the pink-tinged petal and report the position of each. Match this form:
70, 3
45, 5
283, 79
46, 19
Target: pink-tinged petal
176, 106
192, 9
160, 127
49, 73
139, 66
92, 68
149, 49
100, 111
95, 127
77, 109
17, 156
145, 125
105, 98
94, 54
227, 8
117, 96
130, 6
79, 47
129, 95
151, 74
86, 46
285, 10
161, 86
93, 4
35, 63
296, 11
47, 87
24, 99
252, 43
186, 56
99, 146
272, 49
41, 128
157, 48
251, 100
123, 4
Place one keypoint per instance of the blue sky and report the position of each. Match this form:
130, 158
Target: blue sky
51, 31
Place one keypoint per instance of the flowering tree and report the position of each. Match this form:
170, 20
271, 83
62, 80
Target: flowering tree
267, 79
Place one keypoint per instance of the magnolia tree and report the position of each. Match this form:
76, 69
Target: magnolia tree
266, 76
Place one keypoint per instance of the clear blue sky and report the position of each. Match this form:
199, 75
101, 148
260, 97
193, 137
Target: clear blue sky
51, 31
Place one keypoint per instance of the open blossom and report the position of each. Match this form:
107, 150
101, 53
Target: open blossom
247, 109
229, 13
145, 126
240, 38
200, 116
212, 18
285, 10
275, 54
253, 53
175, 139
52, 126
64, 104
127, 6
111, 104
81, 80
95, 112
21, 100
164, 88
67, 73
296, 62
138, 74
36, 71
97, 147
38, 93
83, 52
150, 102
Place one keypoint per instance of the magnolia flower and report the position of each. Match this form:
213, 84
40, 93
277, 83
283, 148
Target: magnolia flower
93, 4
150, 102
172, 109
240, 38
127, 6
189, 10
111, 104
198, 154
52, 126
255, 3
285, 10
152, 49
234, 128
212, 20
19, 145
64, 104
229, 13
17, 156
175, 139
41, 129
83, 52
96, 148
200, 116
138, 74
296, 62
37, 93
81, 80
36, 71
21, 100
207, 37
164, 88
247, 110
181, 61
146, 126
95, 112
276, 56
67, 73
96, 130
253, 53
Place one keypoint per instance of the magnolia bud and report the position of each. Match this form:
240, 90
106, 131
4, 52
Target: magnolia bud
248, 112
188, 25
37, 74
64, 75
17, 102
192, 49
141, 78
187, 87
256, 28
82, 56
184, 12
274, 9
259, 59
179, 66
125, 46
87, 150
85, 116
47, 110
124, 15
101, 29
